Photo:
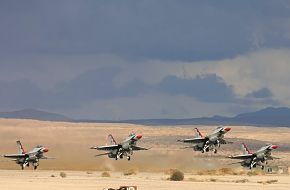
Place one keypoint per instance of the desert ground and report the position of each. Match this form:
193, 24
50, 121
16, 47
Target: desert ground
69, 144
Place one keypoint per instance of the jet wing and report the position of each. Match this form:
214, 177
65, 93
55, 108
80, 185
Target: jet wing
46, 158
193, 140
242, 157
223, 141
107, 148
15, 156
272, 158
135, 148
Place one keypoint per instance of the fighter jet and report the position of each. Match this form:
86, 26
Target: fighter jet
207, 143
24, 158
254, 159
119, 150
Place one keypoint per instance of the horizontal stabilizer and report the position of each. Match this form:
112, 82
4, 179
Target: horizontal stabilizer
135, 148
102, 154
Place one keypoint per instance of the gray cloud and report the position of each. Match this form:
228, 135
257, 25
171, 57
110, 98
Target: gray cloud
209, 88
20, 93
187, 30
262, 93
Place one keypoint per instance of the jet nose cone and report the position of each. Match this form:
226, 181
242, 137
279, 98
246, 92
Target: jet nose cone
139, 136
274, 147
227, 129
45, 150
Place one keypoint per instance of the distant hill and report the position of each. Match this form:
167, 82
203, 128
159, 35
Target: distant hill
34, 114
266, 117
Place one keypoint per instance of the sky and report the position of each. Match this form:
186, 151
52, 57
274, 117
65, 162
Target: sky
144, 59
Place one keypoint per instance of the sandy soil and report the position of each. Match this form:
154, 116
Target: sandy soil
34, 180
69, 143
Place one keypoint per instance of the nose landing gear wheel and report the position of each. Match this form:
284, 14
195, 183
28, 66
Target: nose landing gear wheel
129, 158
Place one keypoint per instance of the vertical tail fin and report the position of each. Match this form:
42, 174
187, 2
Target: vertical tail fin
20, 148
111, 140
197, 133
245, 149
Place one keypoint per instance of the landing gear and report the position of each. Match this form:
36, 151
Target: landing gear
35, 165
215, 151
253, 165
128, 158
22, 167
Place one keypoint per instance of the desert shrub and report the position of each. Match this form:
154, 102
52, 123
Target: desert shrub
130, 172
272, 181
89, 173
52, 175
62, 174
176, 175
168, 171
241, 181
213, 180
268, 181
106, 174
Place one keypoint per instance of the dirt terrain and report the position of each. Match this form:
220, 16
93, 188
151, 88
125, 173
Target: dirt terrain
69, 143
79, 180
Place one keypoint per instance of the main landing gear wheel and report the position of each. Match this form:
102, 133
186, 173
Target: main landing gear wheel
129, 158
35, 167
215, 151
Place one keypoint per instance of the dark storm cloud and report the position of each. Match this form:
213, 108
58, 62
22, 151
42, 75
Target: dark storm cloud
99, 84
179, 30
209, 88
19, 94
261, 93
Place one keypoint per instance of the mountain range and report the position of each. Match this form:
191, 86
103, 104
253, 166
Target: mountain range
266, 117
34, 114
